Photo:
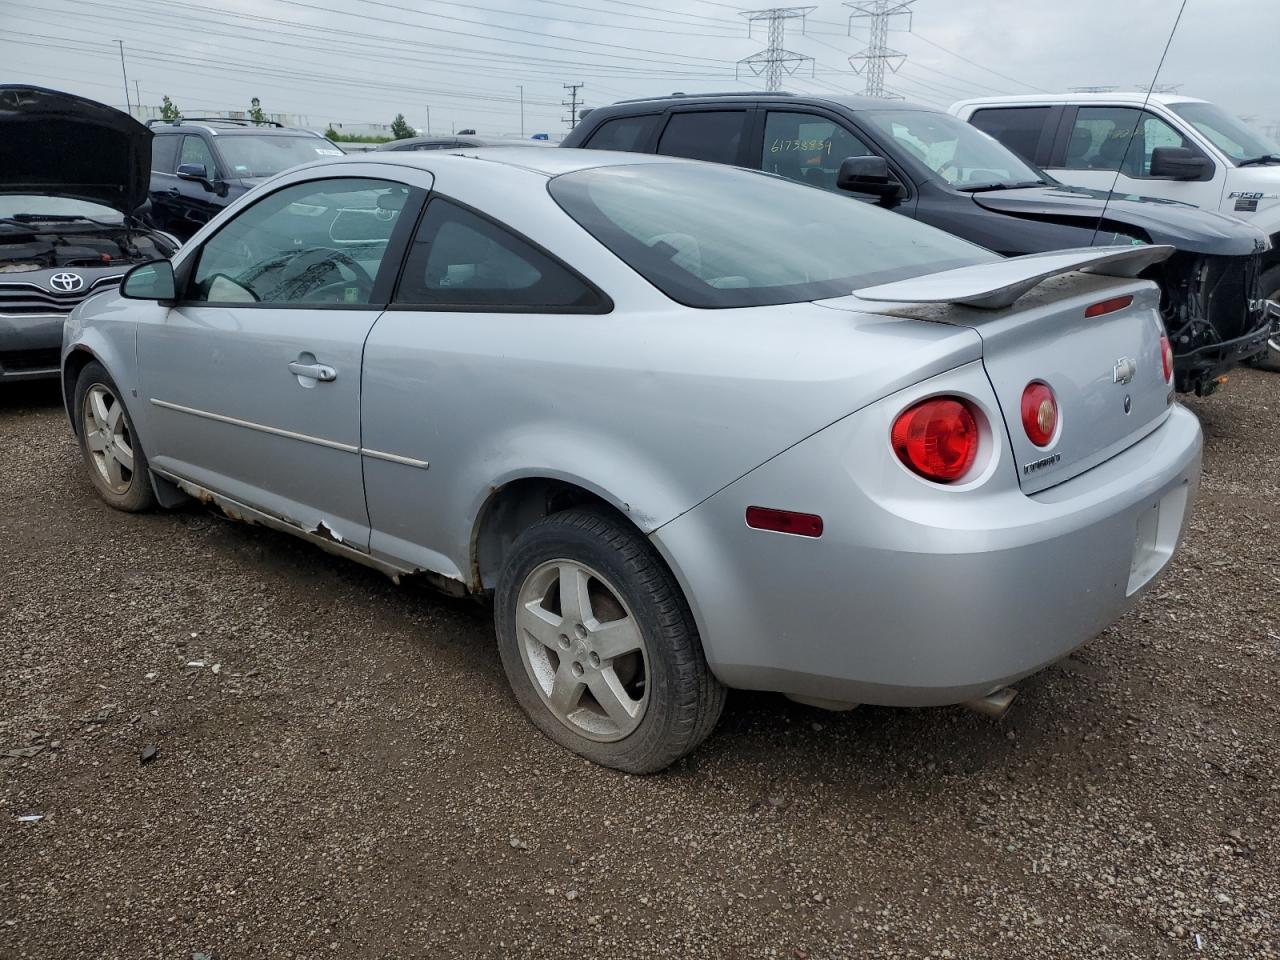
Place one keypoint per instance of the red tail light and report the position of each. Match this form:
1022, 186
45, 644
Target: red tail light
1039, 413
1166, 358
1107, 306
937, 438
784, 521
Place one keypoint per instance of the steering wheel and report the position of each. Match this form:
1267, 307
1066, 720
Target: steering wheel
307, 273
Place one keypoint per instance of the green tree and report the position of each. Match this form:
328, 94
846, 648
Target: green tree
331, 134
255, 111
400, 129
168, 110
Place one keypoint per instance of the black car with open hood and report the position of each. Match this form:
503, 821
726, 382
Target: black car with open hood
935, 168
74, 178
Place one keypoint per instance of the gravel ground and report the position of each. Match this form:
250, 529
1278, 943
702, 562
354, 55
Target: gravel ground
346, 775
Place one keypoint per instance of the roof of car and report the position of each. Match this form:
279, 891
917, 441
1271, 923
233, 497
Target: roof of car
842, 100
230, 127
465, 139
1037, 99
550, 163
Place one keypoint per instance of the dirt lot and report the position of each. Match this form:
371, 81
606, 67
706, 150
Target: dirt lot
346, 776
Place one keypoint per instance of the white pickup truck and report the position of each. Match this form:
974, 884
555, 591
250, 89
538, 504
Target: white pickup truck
1174, 147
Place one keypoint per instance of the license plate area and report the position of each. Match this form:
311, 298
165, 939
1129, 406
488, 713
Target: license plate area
1157, 535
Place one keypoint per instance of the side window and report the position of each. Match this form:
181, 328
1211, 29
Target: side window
704, 135
317, 243
808, 148
164, 153
195, 150
460, 259
1018, 128
623, 133
1118, 138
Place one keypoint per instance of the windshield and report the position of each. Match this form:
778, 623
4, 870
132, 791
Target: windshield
247, 155
25, 205
711, 236
958, 152
1228, 134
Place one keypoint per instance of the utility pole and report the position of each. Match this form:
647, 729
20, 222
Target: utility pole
775, 61
127, 105
571, 103
428, 119
137, 97
521, 86
877, 54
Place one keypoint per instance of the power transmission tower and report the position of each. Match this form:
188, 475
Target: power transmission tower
572, 104
1096, 88
775, 61
1159, 87
877, 54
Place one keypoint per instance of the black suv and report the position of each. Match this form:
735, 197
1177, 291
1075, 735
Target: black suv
200, 165
931, 166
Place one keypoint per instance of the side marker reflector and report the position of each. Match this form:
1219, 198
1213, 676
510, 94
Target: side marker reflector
784, 521
1107, 306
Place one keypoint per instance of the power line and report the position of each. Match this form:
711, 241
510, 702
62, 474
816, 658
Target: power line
878, 55
775, 60
974, 63
572, 104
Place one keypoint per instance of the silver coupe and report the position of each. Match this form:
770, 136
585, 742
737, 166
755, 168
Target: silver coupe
690, 427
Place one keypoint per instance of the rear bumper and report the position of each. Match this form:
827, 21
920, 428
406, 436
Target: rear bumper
30, 345
912, 600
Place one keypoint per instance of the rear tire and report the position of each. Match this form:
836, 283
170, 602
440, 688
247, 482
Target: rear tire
110, 448
585, 606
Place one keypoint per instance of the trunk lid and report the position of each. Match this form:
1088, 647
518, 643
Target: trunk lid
1105, 371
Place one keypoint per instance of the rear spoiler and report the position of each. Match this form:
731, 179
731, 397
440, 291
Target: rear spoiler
999, 283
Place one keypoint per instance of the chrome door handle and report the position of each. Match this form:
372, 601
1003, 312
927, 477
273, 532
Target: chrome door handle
314, 371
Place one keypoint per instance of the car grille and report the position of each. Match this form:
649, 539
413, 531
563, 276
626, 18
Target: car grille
27, 298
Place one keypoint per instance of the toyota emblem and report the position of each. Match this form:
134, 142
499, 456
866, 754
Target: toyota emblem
66, 282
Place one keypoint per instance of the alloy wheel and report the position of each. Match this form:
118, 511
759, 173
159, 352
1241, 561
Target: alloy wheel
583, 650
107, 437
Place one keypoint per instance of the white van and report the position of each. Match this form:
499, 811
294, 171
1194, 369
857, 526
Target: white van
1183, 149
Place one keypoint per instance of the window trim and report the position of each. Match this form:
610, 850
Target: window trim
867, 134
1068, 125
762, 126
645, 144
748, 129
216, 172
177, 152
397, 247
605, 304
1049, 130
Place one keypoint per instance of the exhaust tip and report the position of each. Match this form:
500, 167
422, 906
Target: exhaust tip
994, 704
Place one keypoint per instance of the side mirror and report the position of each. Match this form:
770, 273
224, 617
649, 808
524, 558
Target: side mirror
150, 281
198, 173
1179, 163
868, 175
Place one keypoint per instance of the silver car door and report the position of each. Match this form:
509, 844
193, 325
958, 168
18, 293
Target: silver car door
427, 359
253, 377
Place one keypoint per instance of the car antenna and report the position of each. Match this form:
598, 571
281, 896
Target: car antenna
1134, 132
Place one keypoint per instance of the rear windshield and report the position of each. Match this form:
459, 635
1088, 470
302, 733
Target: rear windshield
712, 236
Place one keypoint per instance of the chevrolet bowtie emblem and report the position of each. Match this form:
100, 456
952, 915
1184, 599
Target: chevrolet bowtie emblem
1124, 370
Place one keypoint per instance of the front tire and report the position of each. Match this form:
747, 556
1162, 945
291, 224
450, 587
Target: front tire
110, 448
599, 645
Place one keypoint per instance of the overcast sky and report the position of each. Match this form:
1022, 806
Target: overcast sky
366, 60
